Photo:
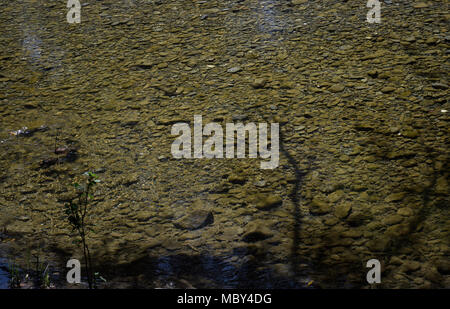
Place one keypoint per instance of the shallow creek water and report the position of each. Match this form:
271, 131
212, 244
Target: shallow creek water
364, 136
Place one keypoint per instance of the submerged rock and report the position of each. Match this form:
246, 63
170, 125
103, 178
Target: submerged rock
236, 179
336, 196
319, 207
256, 231
342, 210
442, 185
234, 69
395, 197
195, 218
297, 2
259, 83
267, 201
336, 88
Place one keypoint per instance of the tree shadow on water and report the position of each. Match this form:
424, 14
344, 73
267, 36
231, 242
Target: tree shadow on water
193, 271
294, 196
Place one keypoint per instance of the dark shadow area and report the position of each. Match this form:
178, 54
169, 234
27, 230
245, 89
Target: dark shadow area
194, 271
294, 196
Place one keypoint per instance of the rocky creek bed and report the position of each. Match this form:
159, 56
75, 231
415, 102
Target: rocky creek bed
364, 157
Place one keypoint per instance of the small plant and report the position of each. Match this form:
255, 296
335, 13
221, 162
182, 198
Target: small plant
15, 276
45, 278
76, 211
41, 274
28, 277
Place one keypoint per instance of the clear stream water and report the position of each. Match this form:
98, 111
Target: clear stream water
364, 140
